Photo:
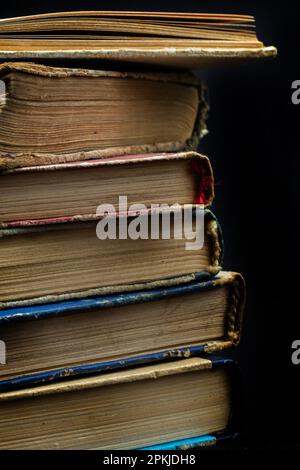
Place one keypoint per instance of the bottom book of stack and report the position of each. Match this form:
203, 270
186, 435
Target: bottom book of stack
125, 371
128, 409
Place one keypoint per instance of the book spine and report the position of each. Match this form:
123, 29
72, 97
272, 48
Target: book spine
200, 127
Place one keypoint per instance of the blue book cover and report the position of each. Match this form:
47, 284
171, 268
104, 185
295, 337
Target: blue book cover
198, 442
185, 444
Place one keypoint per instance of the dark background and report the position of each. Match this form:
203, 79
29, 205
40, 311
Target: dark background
253, 146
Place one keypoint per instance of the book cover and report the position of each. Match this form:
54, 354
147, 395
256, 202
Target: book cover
185, 444
198, 442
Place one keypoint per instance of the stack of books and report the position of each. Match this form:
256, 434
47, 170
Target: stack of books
112, 297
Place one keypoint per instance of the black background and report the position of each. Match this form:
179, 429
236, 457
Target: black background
253, 146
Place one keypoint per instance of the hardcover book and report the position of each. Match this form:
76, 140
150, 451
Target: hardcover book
186, 40
42, 264
74, 190
128, 409
53, 114
58, 340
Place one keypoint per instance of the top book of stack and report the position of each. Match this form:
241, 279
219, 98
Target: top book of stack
189, 40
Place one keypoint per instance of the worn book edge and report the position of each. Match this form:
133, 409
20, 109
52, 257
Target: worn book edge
188, 57
66, 373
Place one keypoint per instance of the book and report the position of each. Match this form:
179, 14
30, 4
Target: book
42, 264
54, 114
74, 190
128, 409
58, 340
165, 38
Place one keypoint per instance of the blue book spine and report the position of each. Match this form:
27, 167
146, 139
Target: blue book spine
184, 444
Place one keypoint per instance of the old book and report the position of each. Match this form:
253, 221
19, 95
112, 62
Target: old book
41, 194
180, 39
127, 409
41, 264
53, 114
47, 342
